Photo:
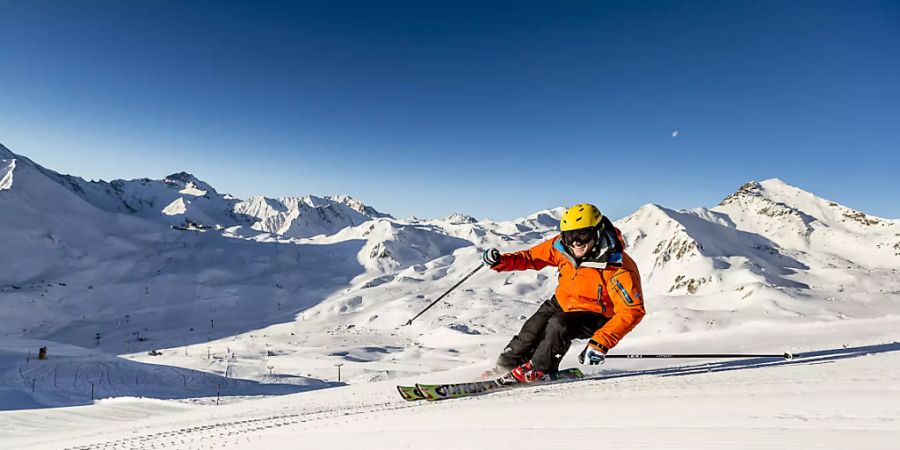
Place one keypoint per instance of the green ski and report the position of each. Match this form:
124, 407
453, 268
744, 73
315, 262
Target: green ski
410, 393
434, 392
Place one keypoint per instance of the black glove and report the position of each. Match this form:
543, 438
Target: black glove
491, 257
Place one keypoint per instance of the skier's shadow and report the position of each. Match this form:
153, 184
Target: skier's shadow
806, 358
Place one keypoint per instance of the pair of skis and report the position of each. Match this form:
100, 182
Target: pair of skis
435, 392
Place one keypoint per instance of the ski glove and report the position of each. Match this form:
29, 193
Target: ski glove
592, 354
491, 257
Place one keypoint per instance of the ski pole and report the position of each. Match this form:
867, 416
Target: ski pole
785, 355
444, 294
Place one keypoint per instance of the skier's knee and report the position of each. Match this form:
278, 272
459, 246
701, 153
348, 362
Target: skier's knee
556, 324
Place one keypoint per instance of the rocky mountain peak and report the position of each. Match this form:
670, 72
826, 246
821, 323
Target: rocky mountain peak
189, 184
459, 218
181, 177
6, 153
185, 178
775, 199
752, 189
357, 206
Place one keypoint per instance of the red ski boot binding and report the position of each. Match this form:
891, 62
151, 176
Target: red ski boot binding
526, 373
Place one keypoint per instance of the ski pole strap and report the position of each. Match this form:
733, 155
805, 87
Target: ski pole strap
785, 355
598, 346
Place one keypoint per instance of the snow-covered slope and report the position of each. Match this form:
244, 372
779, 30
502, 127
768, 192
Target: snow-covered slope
293, 286
843, 396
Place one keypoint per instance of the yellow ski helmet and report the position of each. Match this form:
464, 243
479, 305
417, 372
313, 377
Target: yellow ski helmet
582, 215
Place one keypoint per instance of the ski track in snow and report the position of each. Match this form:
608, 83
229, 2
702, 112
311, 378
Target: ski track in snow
797, 405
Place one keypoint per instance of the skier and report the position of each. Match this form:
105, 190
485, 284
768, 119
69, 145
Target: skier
598, 297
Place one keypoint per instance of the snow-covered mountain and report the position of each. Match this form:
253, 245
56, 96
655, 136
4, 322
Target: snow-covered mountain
182, 198
306, 216
293, 285
766, 236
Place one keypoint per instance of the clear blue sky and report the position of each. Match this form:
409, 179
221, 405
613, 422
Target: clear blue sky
496, 109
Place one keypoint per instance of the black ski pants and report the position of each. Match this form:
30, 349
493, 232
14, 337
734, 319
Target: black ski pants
547, 335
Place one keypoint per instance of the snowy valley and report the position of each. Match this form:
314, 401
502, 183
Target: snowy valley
155, 296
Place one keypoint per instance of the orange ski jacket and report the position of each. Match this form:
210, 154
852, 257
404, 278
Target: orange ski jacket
611, 287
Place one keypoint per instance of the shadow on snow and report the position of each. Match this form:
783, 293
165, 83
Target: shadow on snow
807, 358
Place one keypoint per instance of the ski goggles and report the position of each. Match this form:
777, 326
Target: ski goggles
579, 237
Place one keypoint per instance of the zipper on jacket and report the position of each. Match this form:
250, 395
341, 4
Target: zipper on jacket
600, 299
627, 297
600, 293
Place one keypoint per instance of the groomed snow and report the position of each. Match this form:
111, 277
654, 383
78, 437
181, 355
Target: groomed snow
842, 396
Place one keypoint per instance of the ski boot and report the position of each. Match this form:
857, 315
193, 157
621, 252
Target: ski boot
526, 373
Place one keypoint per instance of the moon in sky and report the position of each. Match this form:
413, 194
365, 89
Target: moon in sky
675, 133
